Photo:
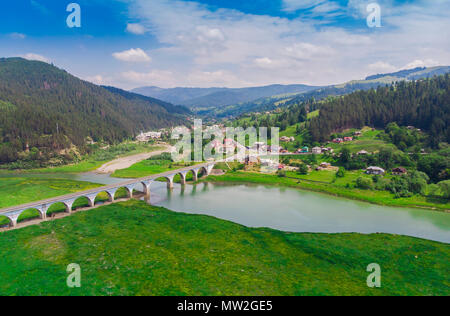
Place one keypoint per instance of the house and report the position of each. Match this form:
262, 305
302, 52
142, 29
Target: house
362, 152
304, 150
287, 139
375, 171
348, 139
338, 140
274, 149
399, 171
317, 150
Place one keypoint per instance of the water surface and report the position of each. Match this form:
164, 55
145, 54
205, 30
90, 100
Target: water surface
293, 210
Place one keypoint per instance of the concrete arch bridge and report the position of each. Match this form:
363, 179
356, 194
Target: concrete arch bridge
13, 213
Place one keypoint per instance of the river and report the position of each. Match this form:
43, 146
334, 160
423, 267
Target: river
288, 209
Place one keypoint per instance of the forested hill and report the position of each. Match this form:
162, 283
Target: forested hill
47, 107
424, 104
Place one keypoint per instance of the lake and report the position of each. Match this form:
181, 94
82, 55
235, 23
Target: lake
286, 209
300, 211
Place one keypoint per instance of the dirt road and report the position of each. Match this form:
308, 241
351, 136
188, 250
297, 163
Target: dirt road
126, 162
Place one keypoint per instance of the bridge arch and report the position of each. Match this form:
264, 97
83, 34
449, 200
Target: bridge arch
5, 221
123, 192
82, 202
103, 196
168, 179
59, 207
30, 214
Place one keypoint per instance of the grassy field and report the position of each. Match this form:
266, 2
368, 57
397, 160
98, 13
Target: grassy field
132, 248
16, 191
334, 186
149, 167
368, 141
94, 161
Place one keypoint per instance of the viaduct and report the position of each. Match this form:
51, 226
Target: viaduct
13, 213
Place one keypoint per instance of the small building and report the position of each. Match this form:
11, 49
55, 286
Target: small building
317, 150
399, 171
362, 152
358, 133
305, 150
338, 140
348, 139
287, 139
325, 165
375, 171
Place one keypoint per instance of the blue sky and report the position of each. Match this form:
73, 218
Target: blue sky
167, 43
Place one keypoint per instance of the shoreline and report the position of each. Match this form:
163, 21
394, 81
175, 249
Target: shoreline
298, 186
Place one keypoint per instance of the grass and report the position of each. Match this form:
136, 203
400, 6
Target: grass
94, 161
368, 141
336, 187
16, 191
149, 167
132, 248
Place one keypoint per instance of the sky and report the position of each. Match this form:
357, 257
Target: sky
227, 43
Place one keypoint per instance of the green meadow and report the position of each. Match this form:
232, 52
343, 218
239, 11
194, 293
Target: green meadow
16, 191
131, 248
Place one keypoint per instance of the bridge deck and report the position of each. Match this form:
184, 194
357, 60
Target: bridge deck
79, 194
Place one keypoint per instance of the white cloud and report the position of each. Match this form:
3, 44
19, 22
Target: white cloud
231, 48
136, 28
422, 63
382, 67
17, 35
32, 56
133, 55
293, 5
97, 79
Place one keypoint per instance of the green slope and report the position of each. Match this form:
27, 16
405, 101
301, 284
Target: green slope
135, 249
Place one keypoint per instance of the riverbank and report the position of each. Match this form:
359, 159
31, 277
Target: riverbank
128, 161
131, 248
95, 161
371, 196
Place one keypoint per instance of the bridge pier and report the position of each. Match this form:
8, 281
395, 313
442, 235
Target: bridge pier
170, 182
13, 213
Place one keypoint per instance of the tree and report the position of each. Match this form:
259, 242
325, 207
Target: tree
364, 183
445, 188
303, 169
340, 173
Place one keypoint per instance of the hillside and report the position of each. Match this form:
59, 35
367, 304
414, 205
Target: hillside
198, 98
132, 248
372, 82
47, 108
424, 104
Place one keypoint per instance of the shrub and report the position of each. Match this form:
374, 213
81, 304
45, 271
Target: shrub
303, 169
364, 183
281, 173
340, 173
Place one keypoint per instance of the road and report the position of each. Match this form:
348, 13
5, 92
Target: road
126, 162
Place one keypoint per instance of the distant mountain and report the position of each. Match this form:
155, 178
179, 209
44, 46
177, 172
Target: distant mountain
199, 98
175, 109
225, 102
46, 107
371, 82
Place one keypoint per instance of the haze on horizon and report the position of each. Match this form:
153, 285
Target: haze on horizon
212, 43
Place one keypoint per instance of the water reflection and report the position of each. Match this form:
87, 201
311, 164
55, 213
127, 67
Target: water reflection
299, 211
